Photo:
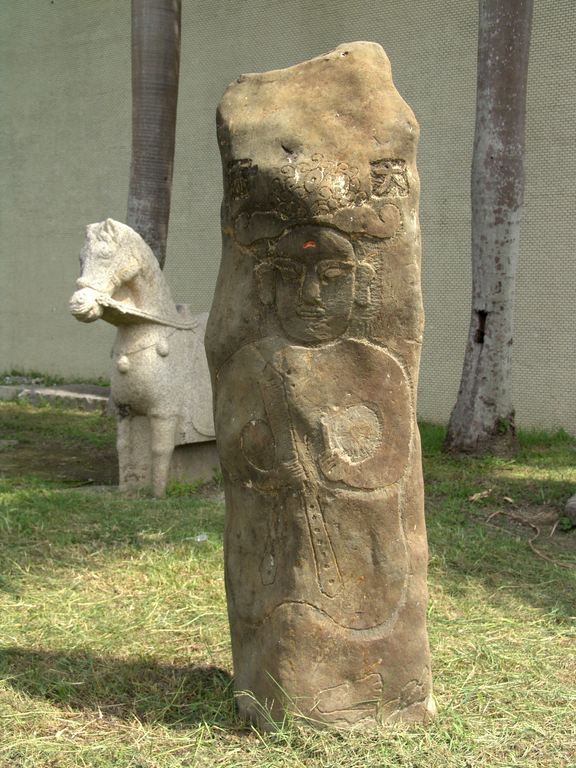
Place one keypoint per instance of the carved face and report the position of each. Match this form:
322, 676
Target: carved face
314, 280
104, 263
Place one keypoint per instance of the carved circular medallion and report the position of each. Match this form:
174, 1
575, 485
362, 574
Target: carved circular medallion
355, 432
257, 443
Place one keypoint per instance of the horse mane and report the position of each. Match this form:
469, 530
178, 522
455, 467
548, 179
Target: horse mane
121, 236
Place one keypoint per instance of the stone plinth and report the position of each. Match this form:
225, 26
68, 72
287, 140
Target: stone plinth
195, 461
313, 343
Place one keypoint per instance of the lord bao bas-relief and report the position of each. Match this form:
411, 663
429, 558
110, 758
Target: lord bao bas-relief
313, 343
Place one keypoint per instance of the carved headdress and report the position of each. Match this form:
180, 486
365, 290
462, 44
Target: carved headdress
329, 145
316, 190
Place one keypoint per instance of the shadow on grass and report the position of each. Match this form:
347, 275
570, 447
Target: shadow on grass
177, 696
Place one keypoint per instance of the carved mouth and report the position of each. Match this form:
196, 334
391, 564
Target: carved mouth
310, 313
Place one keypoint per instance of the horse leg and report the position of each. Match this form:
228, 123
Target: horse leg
123, 447
162, 434
133, 447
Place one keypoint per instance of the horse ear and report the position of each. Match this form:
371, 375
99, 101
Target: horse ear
92, 231
113, 229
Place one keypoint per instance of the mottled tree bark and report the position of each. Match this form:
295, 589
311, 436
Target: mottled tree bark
155, 72
483, 418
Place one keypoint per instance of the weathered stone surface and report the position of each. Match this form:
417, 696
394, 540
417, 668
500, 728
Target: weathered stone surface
195, 461
570, 508
159, 382
66, 396
313, 343
9, 392
85, 397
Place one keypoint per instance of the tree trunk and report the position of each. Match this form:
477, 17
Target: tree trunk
483, 418
155, 72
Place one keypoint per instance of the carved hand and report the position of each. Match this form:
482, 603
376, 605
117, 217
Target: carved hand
333, 464
293, 472
331, 461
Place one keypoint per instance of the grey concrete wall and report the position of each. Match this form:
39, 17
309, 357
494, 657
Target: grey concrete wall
64, 150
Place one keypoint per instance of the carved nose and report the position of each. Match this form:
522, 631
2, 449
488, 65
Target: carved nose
311, 290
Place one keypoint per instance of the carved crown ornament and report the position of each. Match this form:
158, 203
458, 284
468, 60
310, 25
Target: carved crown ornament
317, 190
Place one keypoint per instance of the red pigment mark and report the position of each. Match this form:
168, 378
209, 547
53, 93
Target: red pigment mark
309, 244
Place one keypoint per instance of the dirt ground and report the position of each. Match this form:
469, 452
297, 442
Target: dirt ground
58, 445
59, 462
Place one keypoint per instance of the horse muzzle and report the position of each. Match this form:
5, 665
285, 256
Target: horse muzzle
84, 305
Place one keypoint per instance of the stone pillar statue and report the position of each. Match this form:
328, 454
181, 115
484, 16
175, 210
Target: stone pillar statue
313, 343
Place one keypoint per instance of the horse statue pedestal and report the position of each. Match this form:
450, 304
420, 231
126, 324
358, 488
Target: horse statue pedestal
160, 385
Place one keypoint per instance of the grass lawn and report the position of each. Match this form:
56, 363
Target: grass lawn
114, 648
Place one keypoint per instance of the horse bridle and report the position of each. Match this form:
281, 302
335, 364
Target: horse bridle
107, 301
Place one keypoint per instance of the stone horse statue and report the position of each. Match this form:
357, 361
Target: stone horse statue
159, 372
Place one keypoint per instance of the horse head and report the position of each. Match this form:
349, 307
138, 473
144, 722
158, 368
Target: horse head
115, 262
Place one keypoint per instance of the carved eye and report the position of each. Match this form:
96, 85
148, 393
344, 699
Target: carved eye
334, 269
331, 273
289, 270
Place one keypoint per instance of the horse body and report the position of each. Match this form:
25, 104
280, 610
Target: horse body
158, 360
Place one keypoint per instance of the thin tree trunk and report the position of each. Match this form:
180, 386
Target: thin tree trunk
483, 418
155, 73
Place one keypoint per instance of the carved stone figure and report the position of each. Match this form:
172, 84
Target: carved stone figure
160, 381
313, 342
